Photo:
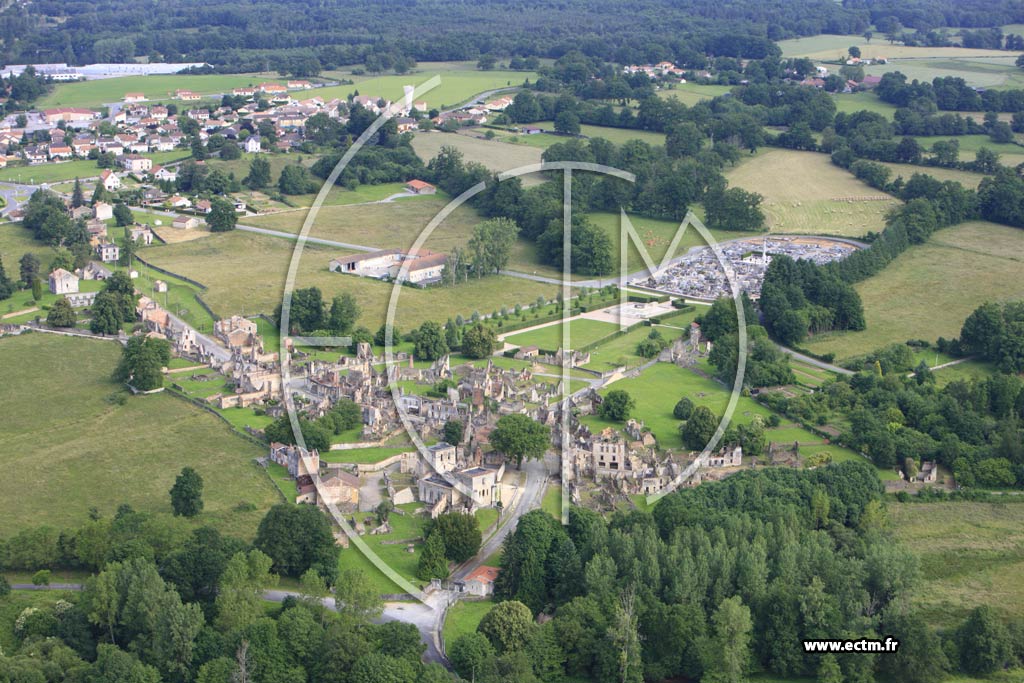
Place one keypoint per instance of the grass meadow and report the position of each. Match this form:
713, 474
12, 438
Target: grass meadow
96, 93
804, 192
692, 93
64, 441
930, 289
971, 553
245, 274
494, 154
460, 82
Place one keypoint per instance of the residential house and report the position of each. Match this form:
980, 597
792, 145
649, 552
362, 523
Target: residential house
111, 183
60, 152
187, 95
163, 173
179, 202
142, 234
480, 581
134, 163
102, 211
253, 144
134, 97
420, 187
185, 222
108, 253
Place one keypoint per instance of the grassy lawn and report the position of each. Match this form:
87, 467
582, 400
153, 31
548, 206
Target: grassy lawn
459, 83
551, 503
405, 527
101, 454
804, 192
971, 554
692, 93
98, 92
581, 332
930, 290
621, 351
245, 274
362, 456
485, 517
463, 617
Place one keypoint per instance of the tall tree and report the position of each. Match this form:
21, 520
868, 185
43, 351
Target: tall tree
187, 493
222, 217
519, 437
259, 174
77, 196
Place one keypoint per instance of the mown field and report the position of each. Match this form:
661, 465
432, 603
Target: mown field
96, 93
804, 192
494, 154
245, 274
930, 289
970, 554
581, 332
460, 81
692, 93
966, 178
616, 135
862, 101
67, 448
463, 617
79, 168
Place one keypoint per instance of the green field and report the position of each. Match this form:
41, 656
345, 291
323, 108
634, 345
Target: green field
103, 91
460, 81
621, 351
79, 168
970, 554
581, 332
404, 527
863, 101
804, 192
551, 503
966, 178
245, 274
930, 289
494, 154
463, 617
63, 441
618, 136
362, 456
692, 93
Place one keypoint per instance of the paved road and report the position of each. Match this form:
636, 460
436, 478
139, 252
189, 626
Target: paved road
529, 499
309, 240
803, 358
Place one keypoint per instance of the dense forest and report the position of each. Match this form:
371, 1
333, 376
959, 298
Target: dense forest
257, 35
723, 580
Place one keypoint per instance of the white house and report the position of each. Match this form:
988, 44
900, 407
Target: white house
110, 181
253, 145
103, 211
108, 253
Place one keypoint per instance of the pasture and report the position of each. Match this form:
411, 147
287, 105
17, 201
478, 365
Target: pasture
494, 154
460, 82
930, 289
692, 93
968, 179
970, 553
617, 136
65, 441
805, 193
96, 93
245, 274
78, 168
850, 103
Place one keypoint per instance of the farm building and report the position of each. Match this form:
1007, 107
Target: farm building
423, 267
